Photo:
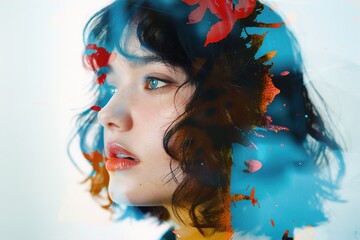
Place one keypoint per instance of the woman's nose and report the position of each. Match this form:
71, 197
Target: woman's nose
115, 115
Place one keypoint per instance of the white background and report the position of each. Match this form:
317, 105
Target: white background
43, 85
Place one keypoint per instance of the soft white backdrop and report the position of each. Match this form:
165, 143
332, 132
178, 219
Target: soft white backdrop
43, 85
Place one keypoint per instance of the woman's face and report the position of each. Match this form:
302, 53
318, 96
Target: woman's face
135, 120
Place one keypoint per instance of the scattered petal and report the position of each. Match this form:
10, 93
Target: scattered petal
218, 31
268, 93
197, 15
176, 233
252, 193
96, 159
274, 128
286, 236
252, 198
272, 222
252, 165
101, 80
267, 57
285, 73
97, 57
96, 108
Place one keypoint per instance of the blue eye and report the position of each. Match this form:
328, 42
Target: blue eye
152, 83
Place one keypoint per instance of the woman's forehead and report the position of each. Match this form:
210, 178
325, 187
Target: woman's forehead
144, 62
133, 54
130, 43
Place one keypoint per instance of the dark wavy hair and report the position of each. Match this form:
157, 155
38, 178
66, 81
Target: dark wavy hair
232, 85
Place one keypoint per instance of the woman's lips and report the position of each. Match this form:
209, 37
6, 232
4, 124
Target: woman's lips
118, 158
116, 164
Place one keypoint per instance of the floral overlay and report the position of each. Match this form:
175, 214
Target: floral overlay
225, 10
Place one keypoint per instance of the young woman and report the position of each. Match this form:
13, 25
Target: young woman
182, 127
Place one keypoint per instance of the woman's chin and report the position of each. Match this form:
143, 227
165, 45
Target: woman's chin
122, 199
121, 195
126, 195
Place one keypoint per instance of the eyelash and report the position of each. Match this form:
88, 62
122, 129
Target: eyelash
108, 90
147, 83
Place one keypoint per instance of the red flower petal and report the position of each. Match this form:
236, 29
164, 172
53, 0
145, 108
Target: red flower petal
96, 159
252, 194
218, 32
96, 108
272, 222
252, 165
223, 9
268, 94
191, 2
244, 8
198, 14
98, 59
285, 73
101, 80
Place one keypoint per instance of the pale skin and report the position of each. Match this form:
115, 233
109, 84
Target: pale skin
143, 105
136, 117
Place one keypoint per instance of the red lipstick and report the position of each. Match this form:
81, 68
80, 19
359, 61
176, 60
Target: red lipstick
118, 158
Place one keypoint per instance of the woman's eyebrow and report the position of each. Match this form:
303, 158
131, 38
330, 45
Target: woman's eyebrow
137, 61
144, 59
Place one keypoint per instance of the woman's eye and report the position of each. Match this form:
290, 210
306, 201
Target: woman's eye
152, 83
